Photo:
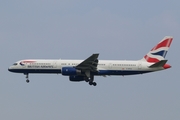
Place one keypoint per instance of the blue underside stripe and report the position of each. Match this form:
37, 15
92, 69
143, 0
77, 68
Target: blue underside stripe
101, 72
120, 72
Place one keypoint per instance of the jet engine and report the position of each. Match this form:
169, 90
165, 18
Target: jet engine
75, 78
70, 71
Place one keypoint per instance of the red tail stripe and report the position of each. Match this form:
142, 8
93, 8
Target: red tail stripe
165, 43
151, 60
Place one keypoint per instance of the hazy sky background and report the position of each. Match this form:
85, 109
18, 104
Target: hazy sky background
74, 29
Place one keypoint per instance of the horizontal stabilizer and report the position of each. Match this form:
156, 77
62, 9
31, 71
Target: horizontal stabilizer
158, 64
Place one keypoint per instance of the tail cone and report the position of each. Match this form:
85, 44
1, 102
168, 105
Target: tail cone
166, 66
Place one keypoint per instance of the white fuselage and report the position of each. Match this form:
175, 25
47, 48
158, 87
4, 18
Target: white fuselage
85, 70
105, 67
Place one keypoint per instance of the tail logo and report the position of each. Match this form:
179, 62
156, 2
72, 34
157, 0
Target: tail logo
159, 52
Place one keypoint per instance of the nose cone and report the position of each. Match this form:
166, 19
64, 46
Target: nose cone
166, 66
9, 69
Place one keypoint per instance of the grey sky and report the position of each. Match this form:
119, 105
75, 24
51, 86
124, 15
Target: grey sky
74, 30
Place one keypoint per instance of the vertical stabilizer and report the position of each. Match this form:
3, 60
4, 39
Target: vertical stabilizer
159, 52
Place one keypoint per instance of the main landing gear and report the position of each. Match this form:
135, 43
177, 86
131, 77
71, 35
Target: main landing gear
93, 83
27, 77
90, 80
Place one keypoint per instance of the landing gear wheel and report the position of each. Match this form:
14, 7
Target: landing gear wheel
90, 83
94, 83
27, 81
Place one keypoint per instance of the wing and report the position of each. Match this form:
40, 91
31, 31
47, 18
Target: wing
90, 64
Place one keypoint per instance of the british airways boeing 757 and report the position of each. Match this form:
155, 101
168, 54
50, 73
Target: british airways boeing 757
85, 70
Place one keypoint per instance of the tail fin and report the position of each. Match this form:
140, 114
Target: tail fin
159, 52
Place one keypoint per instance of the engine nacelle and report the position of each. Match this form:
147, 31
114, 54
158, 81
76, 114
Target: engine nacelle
70, 71
76, 78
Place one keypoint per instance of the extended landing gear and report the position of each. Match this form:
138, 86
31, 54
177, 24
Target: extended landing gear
27, 81
93, 83
90, 80
27, 77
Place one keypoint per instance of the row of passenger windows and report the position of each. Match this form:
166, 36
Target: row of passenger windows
69, 63
77, 64
124, 64
101, 64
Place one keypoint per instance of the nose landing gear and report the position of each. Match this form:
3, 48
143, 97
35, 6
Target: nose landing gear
27, 81
27, 77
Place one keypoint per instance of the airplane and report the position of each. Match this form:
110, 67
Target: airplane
85, 70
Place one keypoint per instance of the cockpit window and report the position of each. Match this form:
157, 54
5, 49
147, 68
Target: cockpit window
15, 64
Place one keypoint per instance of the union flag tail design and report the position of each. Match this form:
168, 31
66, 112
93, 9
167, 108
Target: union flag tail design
159, 52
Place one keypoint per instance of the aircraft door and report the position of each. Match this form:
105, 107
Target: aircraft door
55, 64
110, 65
139, 65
